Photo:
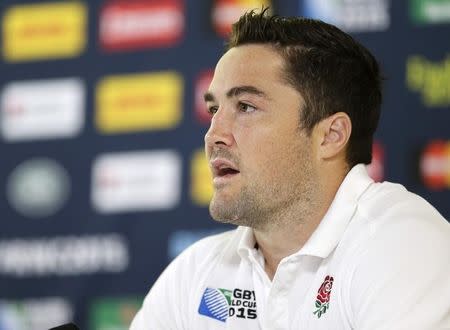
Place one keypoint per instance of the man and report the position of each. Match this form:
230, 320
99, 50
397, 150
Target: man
295, 103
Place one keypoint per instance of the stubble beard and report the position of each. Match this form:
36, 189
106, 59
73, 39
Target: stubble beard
242, 210
264, 207
262, 204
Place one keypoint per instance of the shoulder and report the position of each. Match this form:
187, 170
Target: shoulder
402, 222
404, 247
403, 236
388, 206
202, 256
169, 301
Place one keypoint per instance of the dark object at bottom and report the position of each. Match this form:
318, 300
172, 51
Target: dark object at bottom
68, 326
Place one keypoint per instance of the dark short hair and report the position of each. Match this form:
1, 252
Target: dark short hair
331, 70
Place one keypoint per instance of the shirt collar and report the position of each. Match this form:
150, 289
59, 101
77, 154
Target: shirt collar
247, 242
333, 225
330, 230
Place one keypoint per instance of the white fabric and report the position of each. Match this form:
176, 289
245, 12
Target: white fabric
387, 250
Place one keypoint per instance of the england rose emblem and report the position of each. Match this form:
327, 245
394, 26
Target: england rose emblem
323, 296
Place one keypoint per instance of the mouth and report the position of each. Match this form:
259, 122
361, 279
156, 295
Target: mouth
226, 171
223, 171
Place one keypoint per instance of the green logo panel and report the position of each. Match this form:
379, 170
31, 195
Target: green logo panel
430, 11
113, 313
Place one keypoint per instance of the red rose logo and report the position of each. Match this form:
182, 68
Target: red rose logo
323, 296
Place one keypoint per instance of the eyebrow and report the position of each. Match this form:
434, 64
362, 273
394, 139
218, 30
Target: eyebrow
236, 91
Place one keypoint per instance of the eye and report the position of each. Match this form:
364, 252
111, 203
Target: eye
212, 110
244, 107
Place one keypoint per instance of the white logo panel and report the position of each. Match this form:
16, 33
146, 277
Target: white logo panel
351, 15
136, 181
38, 188
42, 109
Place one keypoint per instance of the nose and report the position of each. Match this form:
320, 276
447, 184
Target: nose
220, 129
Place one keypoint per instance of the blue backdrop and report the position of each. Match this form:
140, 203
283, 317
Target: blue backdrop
102, 180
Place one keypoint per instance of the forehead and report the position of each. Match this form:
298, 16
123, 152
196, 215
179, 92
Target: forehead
253, 65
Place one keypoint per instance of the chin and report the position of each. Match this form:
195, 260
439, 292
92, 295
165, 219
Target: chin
222, 212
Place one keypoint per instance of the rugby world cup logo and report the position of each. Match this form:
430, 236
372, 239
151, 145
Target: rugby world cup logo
215, 303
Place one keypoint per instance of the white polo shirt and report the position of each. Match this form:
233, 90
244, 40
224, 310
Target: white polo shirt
379, 260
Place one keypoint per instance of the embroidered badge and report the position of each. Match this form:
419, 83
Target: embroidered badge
323, 296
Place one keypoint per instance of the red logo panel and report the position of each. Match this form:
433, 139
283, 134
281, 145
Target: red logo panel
376, 168
435, 165
141, 24
201, 86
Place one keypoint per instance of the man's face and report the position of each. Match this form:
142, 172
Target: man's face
260, 158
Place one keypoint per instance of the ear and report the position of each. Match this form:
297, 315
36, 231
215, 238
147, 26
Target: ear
332, 135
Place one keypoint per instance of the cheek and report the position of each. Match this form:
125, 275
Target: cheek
258, 136
267, 161
267, 151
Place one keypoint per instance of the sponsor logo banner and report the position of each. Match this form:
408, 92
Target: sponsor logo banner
38, 187
42, 109
201, 86
44, 31
63, 256
37, 313
114, 313
430, 11
349, 15
201, 179
435, 165
430, 79
139, 102
227, 12
141, 24
136, 181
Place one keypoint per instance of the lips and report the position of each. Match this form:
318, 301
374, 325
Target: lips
222, 168
226, 171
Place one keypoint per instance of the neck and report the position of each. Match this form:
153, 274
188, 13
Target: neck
286, 232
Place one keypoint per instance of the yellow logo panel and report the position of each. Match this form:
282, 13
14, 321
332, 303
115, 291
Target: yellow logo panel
201, 179
138, 102
44, 31
431, 79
